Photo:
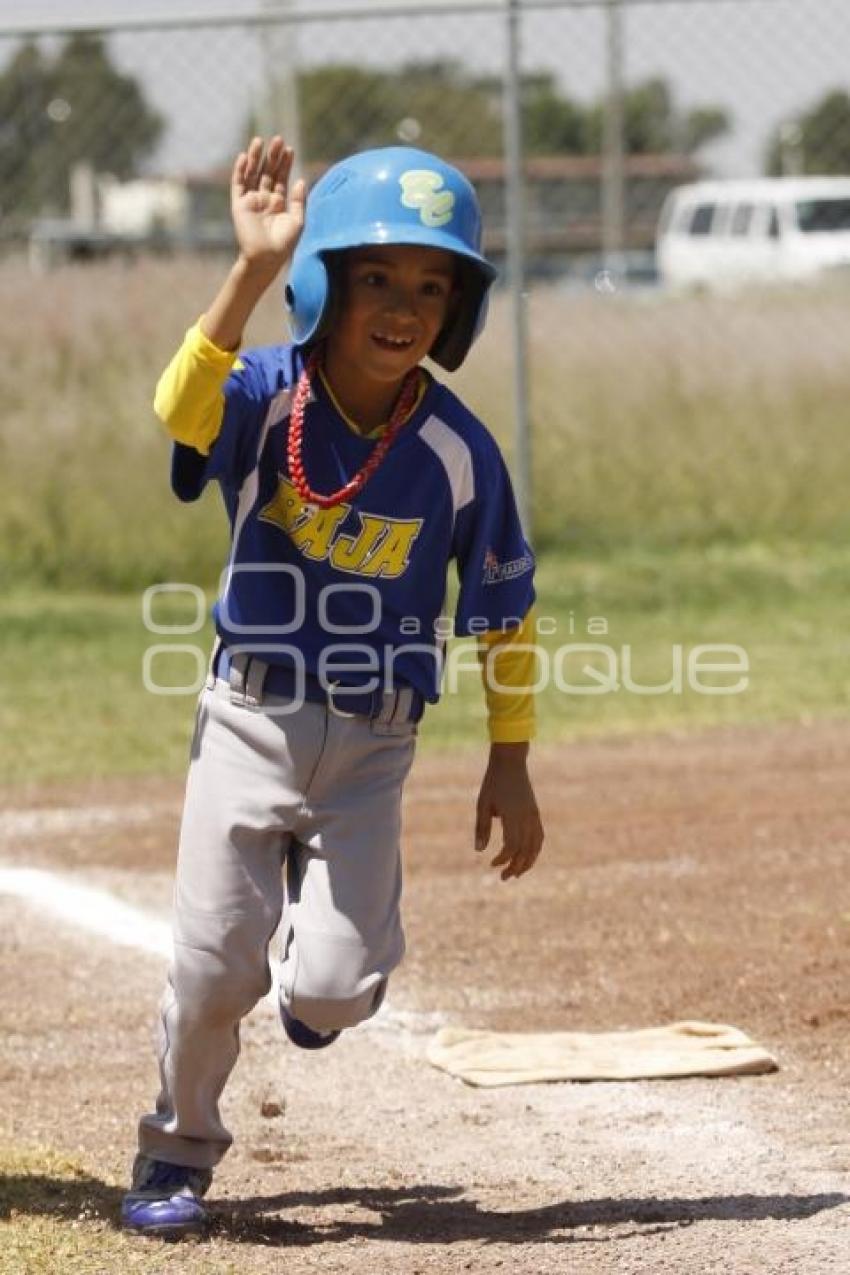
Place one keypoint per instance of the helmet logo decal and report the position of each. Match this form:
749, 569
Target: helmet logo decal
422, 189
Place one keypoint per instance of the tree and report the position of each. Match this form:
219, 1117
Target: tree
653, 125
817, 143
552, 124
439, 106
77, 107
435, 105
26, 128
703, 125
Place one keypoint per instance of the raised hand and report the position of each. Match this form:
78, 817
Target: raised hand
267, 217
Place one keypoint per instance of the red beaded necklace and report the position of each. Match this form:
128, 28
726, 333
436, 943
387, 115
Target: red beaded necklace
402, 409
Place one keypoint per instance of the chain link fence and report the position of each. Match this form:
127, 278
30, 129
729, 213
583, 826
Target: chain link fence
681, 88
653, 408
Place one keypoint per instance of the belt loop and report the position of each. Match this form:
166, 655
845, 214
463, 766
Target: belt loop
238, 669
213, 664
404, 705
247, 676
386, 712
255, 676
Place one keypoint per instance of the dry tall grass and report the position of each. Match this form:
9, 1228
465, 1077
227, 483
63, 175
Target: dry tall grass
656, 421
695, 419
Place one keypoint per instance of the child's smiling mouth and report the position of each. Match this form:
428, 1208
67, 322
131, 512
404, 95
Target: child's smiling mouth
388, 342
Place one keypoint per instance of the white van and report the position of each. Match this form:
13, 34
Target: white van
721, 234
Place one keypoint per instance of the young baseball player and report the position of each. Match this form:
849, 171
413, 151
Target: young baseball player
351, 479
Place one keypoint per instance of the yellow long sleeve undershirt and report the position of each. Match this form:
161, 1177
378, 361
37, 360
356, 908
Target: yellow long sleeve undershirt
189, 398
189, 401
508, 670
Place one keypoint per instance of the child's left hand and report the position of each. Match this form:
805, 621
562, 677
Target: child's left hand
507, 794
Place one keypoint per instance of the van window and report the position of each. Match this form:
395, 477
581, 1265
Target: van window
818, 216
773, 224
702, 219
742, 219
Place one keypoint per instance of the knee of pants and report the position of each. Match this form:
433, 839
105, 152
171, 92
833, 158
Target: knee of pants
210, 989
335, 1008
333, 983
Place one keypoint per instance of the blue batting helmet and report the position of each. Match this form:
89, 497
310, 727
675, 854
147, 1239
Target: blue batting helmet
394, 195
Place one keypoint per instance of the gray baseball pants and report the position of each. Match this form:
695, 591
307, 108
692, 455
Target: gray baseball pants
318, 794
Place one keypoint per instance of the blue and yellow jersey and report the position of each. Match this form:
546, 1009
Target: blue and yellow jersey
366, 579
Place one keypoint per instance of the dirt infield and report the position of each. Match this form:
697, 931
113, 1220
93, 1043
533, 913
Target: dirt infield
695, 877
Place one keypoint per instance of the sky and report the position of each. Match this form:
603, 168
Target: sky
764, 60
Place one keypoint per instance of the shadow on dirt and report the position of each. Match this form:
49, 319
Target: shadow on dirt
429, 1214
38, 1194
416, 1214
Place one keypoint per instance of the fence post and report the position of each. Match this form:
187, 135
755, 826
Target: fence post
613, 182
280, 54
515, 199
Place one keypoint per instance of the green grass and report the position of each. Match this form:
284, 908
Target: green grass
75, 706
784, 605
58, 1219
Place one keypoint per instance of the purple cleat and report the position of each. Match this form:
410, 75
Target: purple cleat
164, 1199
302, 1035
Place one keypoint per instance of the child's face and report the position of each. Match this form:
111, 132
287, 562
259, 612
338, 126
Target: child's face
394, 302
